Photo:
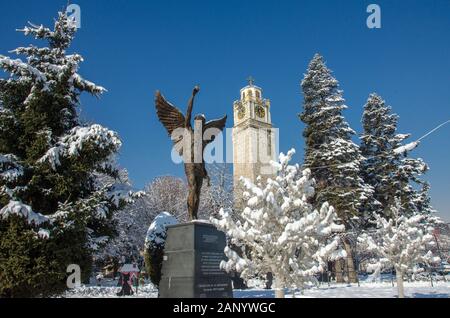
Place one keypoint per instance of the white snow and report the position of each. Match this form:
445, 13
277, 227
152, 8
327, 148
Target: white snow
18, 208
43, 233
71, 144
402, 241
108, 289
19, 68
420, 289
96, 242
407, 147
366, 290
127, 268
278, 222
122, 191
10, 169
156, 233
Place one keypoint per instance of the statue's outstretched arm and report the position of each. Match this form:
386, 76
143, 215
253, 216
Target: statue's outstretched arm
190, 107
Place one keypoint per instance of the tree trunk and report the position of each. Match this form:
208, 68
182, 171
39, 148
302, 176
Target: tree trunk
338, 264
279, 288
401, 292
352, 275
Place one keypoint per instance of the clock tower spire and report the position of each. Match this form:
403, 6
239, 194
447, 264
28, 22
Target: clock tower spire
251, 105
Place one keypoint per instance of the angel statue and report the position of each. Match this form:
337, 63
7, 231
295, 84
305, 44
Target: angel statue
189, 143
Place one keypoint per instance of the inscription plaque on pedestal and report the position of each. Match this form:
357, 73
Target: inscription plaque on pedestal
191, 265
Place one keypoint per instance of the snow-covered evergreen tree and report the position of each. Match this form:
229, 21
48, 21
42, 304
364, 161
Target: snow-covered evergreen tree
55, 207
155, 242
378, 142
387, 168
280, 232
410, 188
402, 242
334, 159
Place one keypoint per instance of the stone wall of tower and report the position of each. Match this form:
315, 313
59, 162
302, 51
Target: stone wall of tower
254, 142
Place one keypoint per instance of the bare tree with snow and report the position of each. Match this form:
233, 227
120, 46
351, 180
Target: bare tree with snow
219, 193
165, 193
402, 242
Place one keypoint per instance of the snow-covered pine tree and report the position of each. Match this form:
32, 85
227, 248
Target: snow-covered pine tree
334, 159
378, 142
280, 232
387, 168
402, 241
55, 206
155, 242
410, 188
422, 201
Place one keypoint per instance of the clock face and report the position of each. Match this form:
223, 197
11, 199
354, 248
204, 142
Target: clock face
260, 111
241, 111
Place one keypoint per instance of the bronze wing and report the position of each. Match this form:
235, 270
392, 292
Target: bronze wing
216, 123
171, 118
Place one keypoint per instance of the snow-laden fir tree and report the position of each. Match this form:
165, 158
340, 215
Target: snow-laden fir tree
280, 232
402, 242
334, 159
155, 242
387, 168
59, 185
378, 142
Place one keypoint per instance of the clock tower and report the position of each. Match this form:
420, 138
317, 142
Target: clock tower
253, 137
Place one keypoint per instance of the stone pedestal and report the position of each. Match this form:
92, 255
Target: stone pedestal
190, 269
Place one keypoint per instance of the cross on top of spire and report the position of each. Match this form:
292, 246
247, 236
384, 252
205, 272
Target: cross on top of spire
250, 80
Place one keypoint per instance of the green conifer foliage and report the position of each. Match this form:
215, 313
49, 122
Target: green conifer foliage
59, 184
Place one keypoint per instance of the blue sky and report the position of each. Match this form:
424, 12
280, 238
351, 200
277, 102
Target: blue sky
136, 47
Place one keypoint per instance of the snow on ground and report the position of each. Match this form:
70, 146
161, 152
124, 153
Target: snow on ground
366, 290
109, 289
441, 289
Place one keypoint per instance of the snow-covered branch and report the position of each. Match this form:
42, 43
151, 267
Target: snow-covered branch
72, 144
401, 242
279, 231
